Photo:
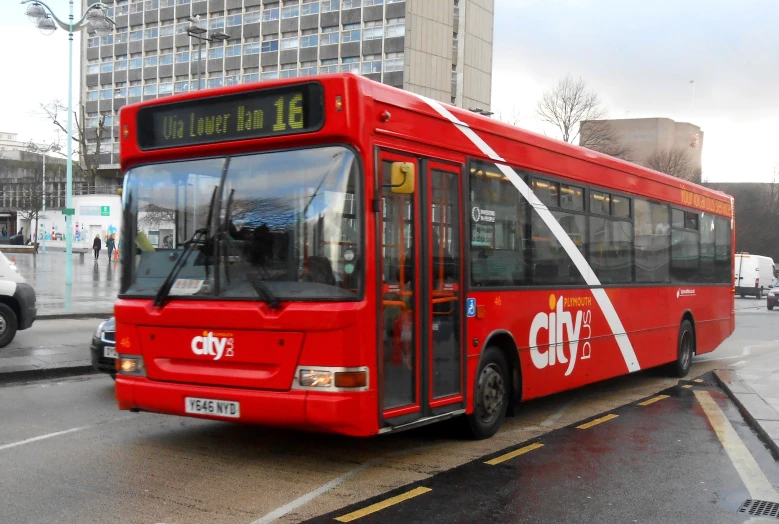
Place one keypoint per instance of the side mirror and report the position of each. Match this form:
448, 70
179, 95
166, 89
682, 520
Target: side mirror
403, 178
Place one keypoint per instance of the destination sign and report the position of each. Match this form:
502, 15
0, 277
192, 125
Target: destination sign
251, 114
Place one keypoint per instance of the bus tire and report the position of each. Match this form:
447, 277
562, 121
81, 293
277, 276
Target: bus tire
491, 395
684, 352
8, 325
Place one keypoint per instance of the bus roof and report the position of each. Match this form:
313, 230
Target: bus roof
508, 141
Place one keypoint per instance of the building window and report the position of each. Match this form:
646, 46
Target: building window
270, 14
136, 36
182, 86
121, 37
120, 10
166, 30
232, 78
369, 3
149, 89
329, 65
93, 42
290, 12
252, 48
329, 35
309, 41
166, 3
215, 82
120, 92
234, 20
350, 4
371, 64
182, 56
310, 8
350, 33
330, 5
134, 91
252, 17
152, 4
253, 76
308, 69
93, 69
136, 61
270, 46
393, 62
215, 53
182, 2
106, 67
166, 58
107, 40
233, 50
150, 61
350, 65
373, 30
395, 27
216, 23
289, 43
151, 33
91, 96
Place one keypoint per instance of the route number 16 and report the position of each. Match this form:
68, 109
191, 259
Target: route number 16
289, 114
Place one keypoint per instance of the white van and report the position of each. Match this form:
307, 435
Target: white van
17, 302
754, 274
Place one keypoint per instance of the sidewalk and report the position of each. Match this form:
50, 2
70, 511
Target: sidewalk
50, 348
94, 289
754, 387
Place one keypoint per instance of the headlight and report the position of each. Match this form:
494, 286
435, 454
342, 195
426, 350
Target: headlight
331, 378
771, 294
131, 365
99, 330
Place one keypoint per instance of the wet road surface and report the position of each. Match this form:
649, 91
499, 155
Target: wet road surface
657, 462
68, 455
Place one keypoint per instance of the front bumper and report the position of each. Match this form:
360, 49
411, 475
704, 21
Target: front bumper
354, 414
99, 362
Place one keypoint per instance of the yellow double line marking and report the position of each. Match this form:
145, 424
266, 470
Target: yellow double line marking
515, 453
597, 421
653, 400
373, 508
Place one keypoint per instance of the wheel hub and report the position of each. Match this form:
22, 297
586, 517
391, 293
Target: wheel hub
493, 393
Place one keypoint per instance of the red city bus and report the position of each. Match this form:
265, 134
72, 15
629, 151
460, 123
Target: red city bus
334, 254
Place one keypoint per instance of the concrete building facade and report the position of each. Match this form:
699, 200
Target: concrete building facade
645, 136
438, 48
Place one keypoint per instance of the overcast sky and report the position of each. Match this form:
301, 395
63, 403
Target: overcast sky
638, 55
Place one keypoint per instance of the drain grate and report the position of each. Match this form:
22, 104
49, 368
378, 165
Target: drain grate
760, 508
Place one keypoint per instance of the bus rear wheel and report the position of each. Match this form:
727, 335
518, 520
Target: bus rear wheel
684, 352
491, 395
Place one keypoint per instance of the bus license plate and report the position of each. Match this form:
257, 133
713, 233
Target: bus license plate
206, 406
110, 352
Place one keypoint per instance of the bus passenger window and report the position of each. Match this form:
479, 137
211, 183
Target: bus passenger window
498, 224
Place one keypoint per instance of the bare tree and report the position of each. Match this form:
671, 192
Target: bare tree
23, 189
567, 105
511, 117
675, 162
88, 163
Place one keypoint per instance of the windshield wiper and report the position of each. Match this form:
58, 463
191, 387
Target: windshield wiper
259, 286
198, 237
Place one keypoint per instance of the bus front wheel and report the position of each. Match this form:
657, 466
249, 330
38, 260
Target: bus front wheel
491, 395
684, 352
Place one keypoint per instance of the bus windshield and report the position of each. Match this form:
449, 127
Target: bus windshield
284, 225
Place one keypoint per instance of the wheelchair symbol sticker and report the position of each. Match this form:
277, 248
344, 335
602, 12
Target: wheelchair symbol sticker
471, 307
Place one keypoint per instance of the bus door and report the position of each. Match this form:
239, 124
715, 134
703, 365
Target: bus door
420, 311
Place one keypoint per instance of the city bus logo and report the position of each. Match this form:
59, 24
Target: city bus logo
562, 329
213, 345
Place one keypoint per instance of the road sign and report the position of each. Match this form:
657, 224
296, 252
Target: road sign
68, 211
105, 211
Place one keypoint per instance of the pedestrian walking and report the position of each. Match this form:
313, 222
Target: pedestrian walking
97, 245
110, 245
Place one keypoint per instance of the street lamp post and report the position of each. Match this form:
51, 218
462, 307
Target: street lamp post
195, 30
42, 150
46, 21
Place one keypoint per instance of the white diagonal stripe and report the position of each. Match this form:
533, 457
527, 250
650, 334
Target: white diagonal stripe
603, 300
